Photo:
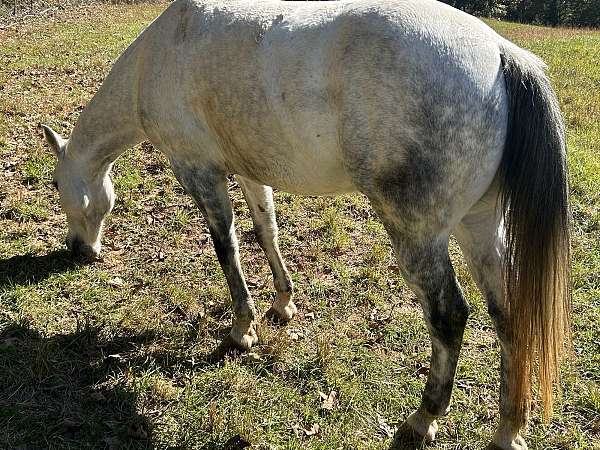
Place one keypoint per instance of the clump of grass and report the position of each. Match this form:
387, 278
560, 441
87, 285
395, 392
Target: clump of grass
335, 236
38, 169
26, 210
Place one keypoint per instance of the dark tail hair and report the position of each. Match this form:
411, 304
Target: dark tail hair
535, 204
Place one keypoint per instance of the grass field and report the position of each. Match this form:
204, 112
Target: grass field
114, 354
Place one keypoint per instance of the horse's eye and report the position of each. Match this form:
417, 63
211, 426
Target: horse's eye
55, 184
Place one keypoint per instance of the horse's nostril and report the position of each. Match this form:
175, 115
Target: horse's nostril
73, 244
88, 251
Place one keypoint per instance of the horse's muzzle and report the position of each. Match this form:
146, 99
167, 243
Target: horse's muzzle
79, 248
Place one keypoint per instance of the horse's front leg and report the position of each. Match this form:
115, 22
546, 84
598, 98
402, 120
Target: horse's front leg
208, 186
260, 202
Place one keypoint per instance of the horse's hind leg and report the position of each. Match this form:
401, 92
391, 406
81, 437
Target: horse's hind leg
260, 201
480, 237
425, 264
208, 186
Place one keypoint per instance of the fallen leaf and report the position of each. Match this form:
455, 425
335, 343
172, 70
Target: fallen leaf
314, 429
117, 357
422, 371
252, 281
383, 427
98, 396
329, 401
252, 356
115, 282
299, 430
71, 423
160, 255
137, 431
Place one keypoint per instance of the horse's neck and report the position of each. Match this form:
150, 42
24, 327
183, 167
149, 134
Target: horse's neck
110, 123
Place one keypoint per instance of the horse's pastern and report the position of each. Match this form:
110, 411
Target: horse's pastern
283, 308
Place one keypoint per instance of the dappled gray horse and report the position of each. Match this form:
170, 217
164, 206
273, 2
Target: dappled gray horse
445, 126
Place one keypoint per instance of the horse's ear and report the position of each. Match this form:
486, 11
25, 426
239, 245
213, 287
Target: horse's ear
56, 142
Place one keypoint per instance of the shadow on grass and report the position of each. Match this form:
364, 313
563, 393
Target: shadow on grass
61, 392
24, 269
72, 390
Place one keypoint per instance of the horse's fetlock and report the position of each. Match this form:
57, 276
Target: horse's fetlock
433, 408
245, 311
284, 285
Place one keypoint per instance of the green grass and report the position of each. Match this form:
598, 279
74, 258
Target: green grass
114, 354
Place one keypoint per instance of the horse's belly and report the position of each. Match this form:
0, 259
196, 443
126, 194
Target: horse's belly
313, 180
282, 133
306, 168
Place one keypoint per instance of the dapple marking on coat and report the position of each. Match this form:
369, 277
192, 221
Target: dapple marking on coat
444, 125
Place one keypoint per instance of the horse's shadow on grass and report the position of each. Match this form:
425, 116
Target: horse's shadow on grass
59, 390
30, 269
69, 390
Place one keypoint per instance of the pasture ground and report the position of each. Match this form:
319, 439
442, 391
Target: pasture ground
114, 354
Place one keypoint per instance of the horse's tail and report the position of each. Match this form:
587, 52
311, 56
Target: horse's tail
535, 206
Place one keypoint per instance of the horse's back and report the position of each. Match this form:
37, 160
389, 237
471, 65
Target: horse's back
319, 97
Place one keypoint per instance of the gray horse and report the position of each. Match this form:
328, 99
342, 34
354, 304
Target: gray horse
445, 126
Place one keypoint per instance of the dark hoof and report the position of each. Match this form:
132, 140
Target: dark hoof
493, 447
225, 348
236, 443
406, 438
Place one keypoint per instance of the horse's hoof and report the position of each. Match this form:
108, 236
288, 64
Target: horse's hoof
283, 308
225, 347
242, 338
407, 438
518, 443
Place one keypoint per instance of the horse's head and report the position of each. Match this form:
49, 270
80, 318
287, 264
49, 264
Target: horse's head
85, 198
